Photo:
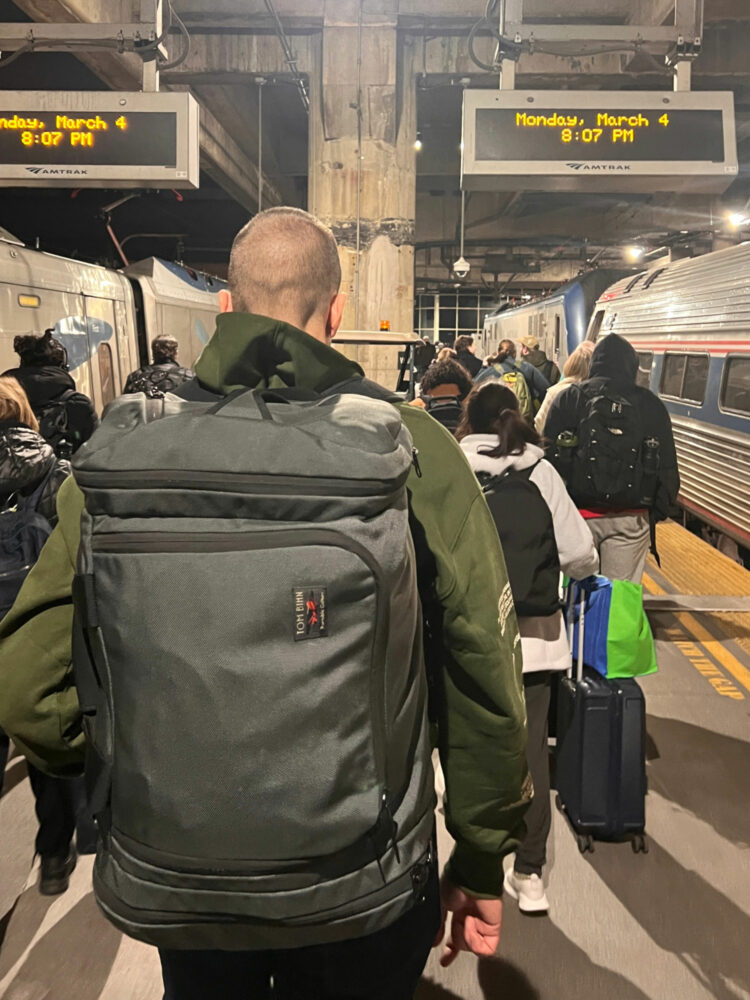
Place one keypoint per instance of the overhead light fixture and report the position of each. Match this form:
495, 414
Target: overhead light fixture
418, 142
634, 252
736, 219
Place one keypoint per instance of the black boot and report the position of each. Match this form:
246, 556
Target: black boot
56, 873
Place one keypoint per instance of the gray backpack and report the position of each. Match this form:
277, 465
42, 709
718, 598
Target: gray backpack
248, 657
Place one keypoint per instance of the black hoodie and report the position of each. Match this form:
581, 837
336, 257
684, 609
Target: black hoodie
46, 384
615, 362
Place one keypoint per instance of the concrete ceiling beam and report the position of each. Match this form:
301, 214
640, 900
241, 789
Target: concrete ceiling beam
220, 156
651, 12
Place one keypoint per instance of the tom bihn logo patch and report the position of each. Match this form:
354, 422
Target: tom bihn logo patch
310, 612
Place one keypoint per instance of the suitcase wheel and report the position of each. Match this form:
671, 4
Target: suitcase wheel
585, 843
639, 844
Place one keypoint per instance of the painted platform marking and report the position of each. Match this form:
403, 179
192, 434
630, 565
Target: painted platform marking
697, 645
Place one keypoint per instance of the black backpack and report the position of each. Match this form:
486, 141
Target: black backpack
615, 460
157, 380
54, 426
547, 368
447, 410
524, 524
23, 532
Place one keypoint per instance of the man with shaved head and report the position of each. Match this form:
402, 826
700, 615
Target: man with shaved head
285, 263
278, 320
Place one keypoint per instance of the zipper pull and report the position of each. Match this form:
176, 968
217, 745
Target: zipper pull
415, 462
394, 827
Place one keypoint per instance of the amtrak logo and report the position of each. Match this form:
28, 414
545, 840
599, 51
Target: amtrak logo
609, 167
57, 171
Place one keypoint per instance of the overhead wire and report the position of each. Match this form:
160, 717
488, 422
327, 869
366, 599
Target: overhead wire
175, 18
117, 44
507, 48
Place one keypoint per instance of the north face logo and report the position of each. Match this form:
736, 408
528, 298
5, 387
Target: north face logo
310, 612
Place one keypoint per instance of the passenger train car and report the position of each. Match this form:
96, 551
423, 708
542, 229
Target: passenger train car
104, 318
690, 324
559, 321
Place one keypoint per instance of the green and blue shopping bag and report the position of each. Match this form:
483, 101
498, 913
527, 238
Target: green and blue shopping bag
617, 639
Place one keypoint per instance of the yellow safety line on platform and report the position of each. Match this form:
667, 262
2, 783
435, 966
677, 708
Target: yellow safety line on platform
713, 645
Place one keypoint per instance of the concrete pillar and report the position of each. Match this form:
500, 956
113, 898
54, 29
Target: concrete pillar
362, 178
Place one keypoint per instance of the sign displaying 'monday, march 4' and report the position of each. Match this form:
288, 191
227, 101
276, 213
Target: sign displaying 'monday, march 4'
628, 141
94, 139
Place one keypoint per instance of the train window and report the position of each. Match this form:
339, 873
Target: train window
557, 336
735, 393
672, 373
29, 301
596, 325
684, 376
106, 378
645, 364
696, 377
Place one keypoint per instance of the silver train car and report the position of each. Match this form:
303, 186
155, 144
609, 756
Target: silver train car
690, 324
104, 318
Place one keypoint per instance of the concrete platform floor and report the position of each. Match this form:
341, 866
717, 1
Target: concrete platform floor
673, 924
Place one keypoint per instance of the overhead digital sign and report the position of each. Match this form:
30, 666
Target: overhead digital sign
594, 141
92, 139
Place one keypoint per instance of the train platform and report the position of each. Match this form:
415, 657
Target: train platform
672, 923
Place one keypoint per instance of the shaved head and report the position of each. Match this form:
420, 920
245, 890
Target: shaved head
284, 264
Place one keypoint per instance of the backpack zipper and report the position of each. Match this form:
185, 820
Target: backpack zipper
130, 542
240, 482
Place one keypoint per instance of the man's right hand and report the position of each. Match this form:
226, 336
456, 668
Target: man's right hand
475, 923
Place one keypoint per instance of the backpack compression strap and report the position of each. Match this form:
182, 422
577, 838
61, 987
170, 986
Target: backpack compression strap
488, 484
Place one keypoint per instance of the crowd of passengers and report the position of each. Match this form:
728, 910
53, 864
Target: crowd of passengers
502, 416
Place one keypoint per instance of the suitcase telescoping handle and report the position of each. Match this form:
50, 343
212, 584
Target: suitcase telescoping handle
572, 588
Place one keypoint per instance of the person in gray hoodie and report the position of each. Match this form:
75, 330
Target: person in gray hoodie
497, 441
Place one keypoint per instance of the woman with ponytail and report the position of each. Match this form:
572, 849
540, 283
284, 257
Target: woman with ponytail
542, 534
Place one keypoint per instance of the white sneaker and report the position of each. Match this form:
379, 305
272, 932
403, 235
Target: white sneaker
528, 890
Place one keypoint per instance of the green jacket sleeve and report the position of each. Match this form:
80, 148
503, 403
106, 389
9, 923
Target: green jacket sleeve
38, 702
481, 711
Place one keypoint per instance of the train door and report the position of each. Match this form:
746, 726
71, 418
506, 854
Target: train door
126, 335
558, 336
105, 363
33, 310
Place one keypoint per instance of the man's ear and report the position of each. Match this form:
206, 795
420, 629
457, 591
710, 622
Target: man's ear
225, 301
335, 315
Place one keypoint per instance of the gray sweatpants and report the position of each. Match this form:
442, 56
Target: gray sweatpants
622, 542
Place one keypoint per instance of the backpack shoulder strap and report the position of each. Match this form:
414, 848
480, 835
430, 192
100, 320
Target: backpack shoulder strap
358, 385
31, 502
488, 482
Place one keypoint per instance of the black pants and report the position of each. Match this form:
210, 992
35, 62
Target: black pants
59, 803
532, 853
386, 965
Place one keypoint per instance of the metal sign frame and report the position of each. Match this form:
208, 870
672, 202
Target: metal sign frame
185, 173
569, 174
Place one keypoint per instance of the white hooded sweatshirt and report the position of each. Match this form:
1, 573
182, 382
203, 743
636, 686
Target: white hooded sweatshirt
544, 640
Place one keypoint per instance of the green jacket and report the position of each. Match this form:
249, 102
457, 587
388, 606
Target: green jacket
481, 727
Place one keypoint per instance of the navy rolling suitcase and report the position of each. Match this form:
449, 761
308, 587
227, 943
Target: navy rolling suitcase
601, 756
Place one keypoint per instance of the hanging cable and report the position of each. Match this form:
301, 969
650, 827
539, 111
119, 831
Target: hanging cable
359, 169
505, 47
261, 83
175, 18
291, 59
